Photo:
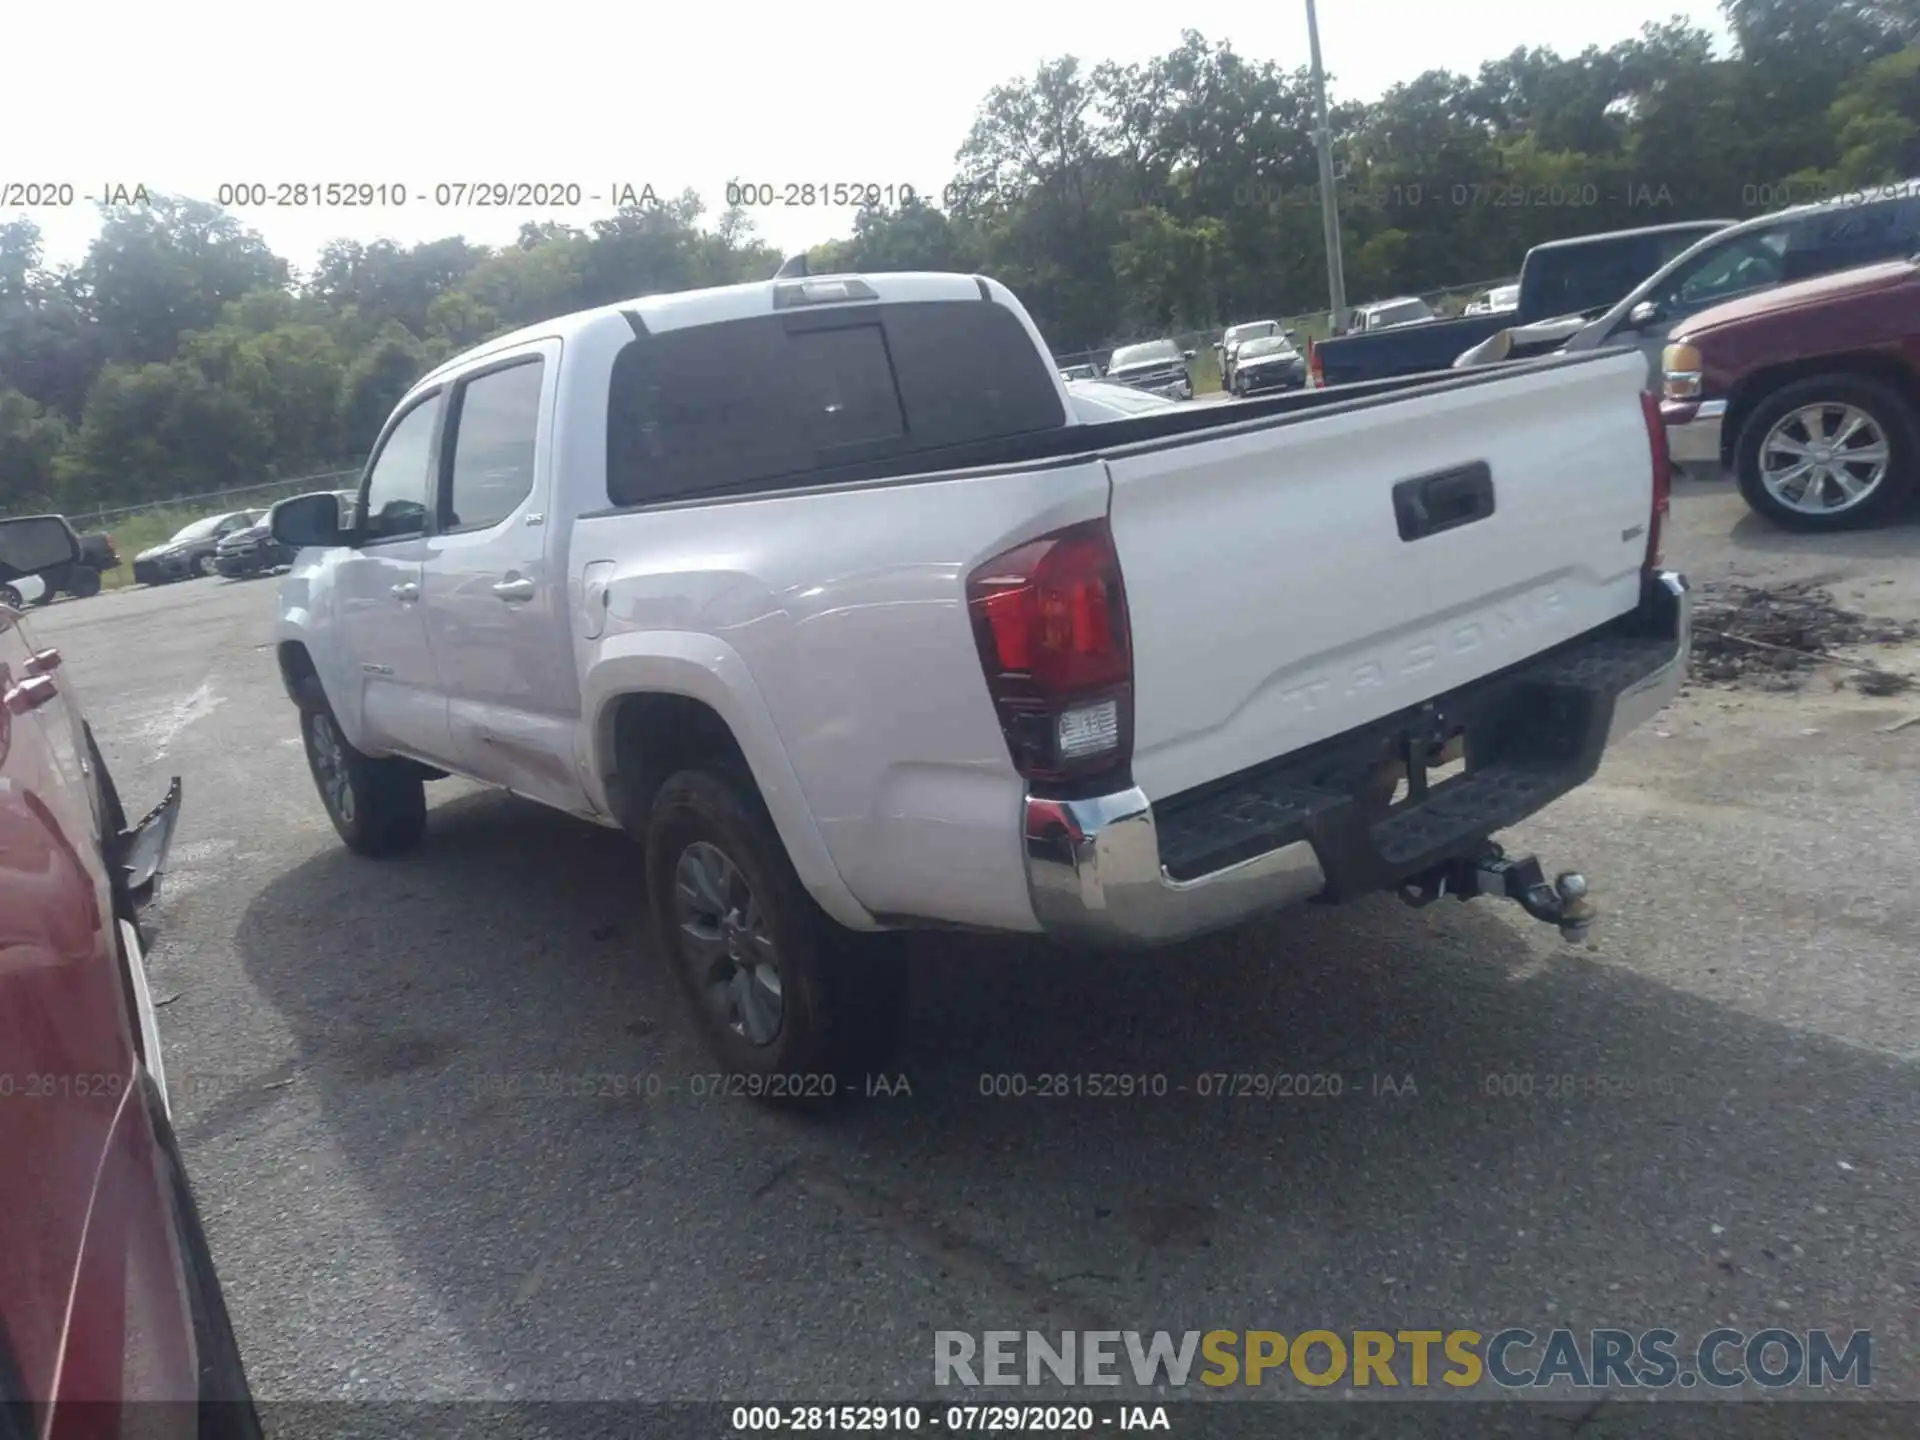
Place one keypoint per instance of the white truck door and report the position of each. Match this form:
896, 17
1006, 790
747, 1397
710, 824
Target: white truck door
495, 584
402, 706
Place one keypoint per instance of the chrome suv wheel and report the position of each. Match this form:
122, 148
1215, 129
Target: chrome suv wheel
1829, 452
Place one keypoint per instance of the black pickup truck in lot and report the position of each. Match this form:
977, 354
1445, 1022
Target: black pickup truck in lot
1563, 278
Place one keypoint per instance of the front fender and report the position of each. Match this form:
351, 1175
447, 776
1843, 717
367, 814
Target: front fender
306, 619
703, 668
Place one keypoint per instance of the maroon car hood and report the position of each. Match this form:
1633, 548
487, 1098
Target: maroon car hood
1863, 281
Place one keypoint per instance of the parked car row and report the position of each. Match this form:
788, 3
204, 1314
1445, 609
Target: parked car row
190, 552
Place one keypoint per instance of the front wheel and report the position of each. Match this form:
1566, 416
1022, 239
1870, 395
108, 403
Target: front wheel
1830, 452
200, 567
378, 807
778, 990
10, 596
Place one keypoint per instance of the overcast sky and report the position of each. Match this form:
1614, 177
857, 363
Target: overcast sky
186, 96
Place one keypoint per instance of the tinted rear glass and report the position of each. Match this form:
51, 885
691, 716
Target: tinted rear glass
1851, 235
770, 399
1401, 314
1598, 276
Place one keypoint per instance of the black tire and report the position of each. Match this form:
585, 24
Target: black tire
200, 567
378, 806
86, 583
841, 996
11, 596
1884, 407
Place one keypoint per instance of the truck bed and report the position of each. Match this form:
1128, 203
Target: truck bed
1404, 350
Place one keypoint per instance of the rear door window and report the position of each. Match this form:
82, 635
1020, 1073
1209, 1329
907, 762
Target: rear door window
495, 421
1852, 235
770, 400
1745, 263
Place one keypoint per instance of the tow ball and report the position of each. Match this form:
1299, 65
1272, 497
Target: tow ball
1562, 902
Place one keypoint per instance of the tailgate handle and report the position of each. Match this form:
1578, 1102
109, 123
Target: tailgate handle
1429, 504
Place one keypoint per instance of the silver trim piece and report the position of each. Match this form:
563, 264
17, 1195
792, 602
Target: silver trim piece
1697, 440
1093, 865
1094, 872
1640, 702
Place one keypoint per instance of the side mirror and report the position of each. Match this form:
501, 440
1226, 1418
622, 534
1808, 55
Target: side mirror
34, 544
308, 520
1645, 313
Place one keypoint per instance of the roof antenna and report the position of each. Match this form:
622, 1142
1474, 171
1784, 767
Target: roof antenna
795, 267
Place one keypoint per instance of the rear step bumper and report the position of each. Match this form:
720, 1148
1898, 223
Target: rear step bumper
1120, 870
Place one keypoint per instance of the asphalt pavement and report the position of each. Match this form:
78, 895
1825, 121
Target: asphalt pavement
449, 1130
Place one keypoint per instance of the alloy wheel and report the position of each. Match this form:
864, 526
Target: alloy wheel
1824, 458
726, 943
330, 766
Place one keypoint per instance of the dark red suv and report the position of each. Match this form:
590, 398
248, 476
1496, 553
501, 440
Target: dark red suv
108, 1298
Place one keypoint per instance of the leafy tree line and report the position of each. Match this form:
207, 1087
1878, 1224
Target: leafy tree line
181, 355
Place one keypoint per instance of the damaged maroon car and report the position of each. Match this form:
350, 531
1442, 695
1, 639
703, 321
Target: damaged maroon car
111, 1317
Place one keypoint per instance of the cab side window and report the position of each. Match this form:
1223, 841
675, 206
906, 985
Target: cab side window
494, 424
1853, 235
1747, 262
396, 487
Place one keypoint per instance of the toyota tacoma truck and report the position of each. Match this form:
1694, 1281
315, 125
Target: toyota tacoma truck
823, 590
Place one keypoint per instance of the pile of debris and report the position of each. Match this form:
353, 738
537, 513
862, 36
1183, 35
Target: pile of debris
1778, 637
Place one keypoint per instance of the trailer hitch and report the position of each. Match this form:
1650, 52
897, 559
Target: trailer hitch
1563, 902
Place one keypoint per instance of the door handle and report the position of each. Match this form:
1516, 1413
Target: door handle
1432, 504
406, 593
31, 694
515, 588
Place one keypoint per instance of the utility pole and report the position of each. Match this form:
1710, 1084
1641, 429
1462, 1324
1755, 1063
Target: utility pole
1329, 201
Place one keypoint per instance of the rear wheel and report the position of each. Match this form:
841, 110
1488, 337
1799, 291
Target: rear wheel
12, 597
378, 806
780, 993
86, 583
1831, 452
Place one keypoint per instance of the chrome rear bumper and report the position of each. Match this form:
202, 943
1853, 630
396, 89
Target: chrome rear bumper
1095, 867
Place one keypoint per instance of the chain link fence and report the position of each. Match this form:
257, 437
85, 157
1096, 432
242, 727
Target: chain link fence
240, 497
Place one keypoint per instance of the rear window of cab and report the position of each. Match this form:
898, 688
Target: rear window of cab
774, 400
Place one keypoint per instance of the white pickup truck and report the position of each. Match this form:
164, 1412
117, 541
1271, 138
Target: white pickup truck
821, 588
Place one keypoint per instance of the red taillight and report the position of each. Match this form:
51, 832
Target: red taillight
1050, 621
1662, 477
1314, 373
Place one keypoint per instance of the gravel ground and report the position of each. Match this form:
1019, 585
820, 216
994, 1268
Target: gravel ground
399, 1084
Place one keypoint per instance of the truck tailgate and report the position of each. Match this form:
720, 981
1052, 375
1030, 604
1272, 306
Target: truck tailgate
1275, 603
